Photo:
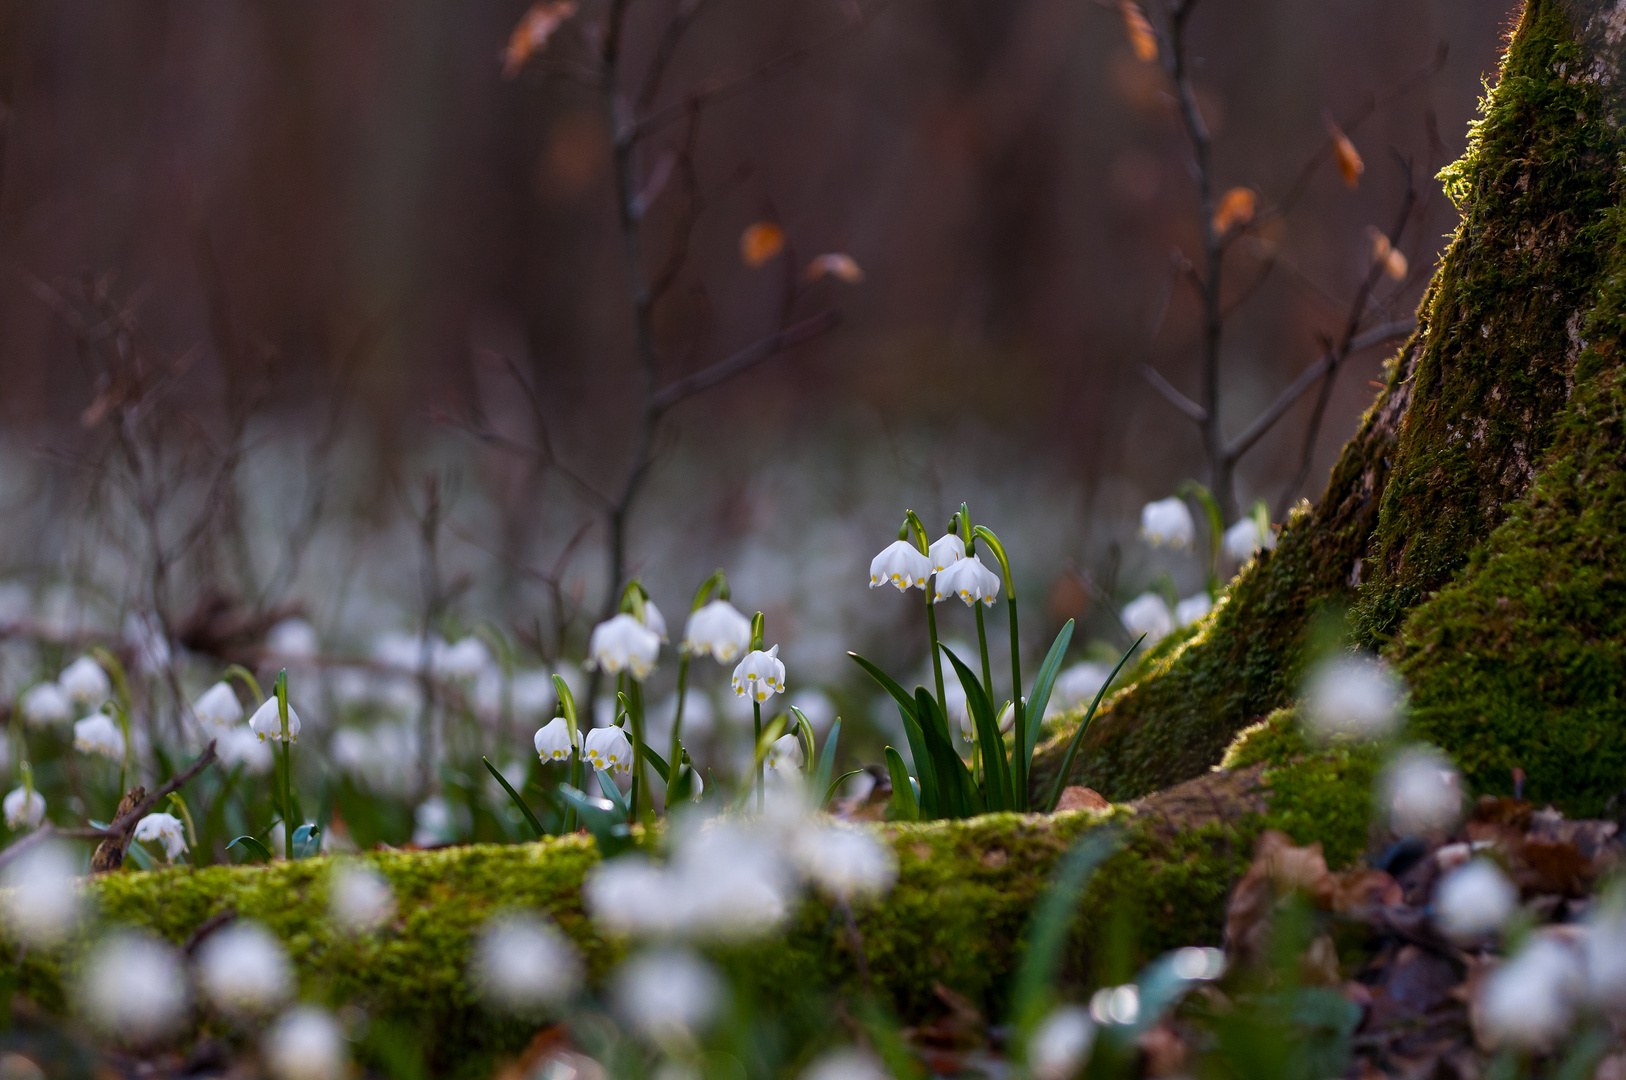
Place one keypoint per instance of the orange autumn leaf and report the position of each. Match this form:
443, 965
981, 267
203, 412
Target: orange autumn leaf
1350, 165
761, 242
1235, 208
1393, 260
532, 32
837, 264
1141, 38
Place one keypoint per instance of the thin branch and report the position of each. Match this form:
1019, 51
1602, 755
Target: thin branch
1173, 396
742, 361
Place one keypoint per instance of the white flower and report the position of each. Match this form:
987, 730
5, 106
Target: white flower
464, 660
23, 806
267, 721
622, 643
900, 563
434, 823
718, 628
146, 636
46, 704
553, 740
945, 551
1245, 539
359, 897
1474, 900
667, 995
846, 1063
1076, 687
41, 899
85, 683
163, 828
1423, 793
99, 734
1606, 955
1193, 608
609, 750
243, 969
1357, 696
968, 579
653, 619
1061, 1044
306, 1043
760, 675
218, 707
531, 693
293, 638
1167, 521
815, 705
785, 754
240, 746
522, 963
1148, 614
630, 895
133, 987
1529, 1001
844, 862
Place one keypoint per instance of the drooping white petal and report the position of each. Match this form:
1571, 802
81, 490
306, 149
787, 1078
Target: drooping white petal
553, 740
164, 829
608, 749
622, 643
218, 707
99, 734
267, 721
760, 675
1168, 522
720, 629
945, 551
1148, 614
970, 580
85, 683
901, 564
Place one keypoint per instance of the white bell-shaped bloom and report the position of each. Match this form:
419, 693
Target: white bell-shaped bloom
1355, 695
306, 1043
968, 579
760, 675
945, 551
85, 683
466, 659
163, 829
1061, 1044
1193, 608
359, 897
41, 898
1148, 614
244, 969
99, 734
1530, 1001
1168, 522
553, 740
844, 862
720, 629
846, 1063
218, 707
900, 563
240, 746
785, 754
1473, 900
609, 750
133, 986
267, 721
1246, 539
45, 705
293, 639
622, 643
668, 996
654, 620
523, 963
1423, 792
23, 807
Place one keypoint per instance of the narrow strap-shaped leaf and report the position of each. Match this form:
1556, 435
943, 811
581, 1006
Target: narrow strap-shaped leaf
1052, 919
606, 784
524, 810
958, 794
835, 786
827, 760
1039, 700
253, 847
1078, 736
996, 771
659, 763
804, 728
931, 803
904, 806
607, 824
899, 694
307, 840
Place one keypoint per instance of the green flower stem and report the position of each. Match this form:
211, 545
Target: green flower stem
567, 706
931, 633
288, 825
761, 785
677, 728
1019, 767
982, 644
641, 798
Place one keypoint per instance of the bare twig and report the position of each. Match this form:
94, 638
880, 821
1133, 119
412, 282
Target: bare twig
1173, 396
744, 360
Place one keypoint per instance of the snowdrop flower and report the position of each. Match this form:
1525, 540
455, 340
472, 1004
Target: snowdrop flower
945, 551
522, 964
218, 707
970, 580
785, 754
553, 740
760, 675
1061, 1044
306, 1044
23, 807
1246, 539
900, 563
718, 628
293, 638
465, 660
1357, 696
847, 1063
41, 899
1474, 900
1423, 793
165, 829
844, 862
816, 706
99, 734
1529, 1001
241, 746
46, 704
653, 619
1168, 521
359, 898
667, 995
243, 970
1192, 609
85, 683
267, 721
609, 750
622, 643
1148, 614
133, 987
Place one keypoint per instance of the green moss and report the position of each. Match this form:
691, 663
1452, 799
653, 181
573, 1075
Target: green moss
1275, 740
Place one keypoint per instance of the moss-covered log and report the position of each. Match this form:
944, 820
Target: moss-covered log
1472, 527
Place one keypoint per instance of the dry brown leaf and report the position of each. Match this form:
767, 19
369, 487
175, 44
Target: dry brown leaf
1141, 38
1393, 260
837, 264
532, 32
761, 242
1279, 867
1074, 797
1350, 165
1235, 208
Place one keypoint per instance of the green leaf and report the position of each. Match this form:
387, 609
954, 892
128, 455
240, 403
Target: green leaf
904, 806
307, 841
658, 762
996, 771
606, 784
930, 801
957, 795
827, 761
601, 817
252, 847
835, 786
524, 810
1078, 736
1039, 700
1052, 920
899, 694
804, 727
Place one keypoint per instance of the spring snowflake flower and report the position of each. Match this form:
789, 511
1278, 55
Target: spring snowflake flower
1474, 900
609, 750
218, 707
553, 740
1076, 687
294, 639
900, 563
306, 1043
522, 964
85, 683
531, 693
970, 580
785, 755
622, 643
718, 628
267, 721
669, 995
846, 1063
845, 863
41, 901
1168, 522
1246, 539
1530, 1001
1148, 614
359, 898
653, 620
1423, 793
45, 705
23, 807
99, 734
1356, 696
1193, 608
244, 970
133, 987
240, 746
462, 661
1061, 1044
760, 675
945, 551
165, 829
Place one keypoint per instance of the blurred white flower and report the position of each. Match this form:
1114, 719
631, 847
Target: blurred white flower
461, 661
1168, 521
844, 862
306, 1043
1530, 1001
609, 750
267, 721
85, 683
163, 829
531, 693
1192, 608
522, 963
815, 705
359, 897
1422, 792
552, 740
653, 620
1148, 614
1061, 1044
244, 970
435, 823
293, 639
718, 628
1076, 687
668, 995
785, 754
1474, 900
99, 734
968, 579
46, 704
945, 551
24, 806
1245, 539
144, 634
240, 746
133, 987
900, 563
1357, 696
1605, 945
760, 675
218, 707
622, 643
629, 895
846, 1063
41, 894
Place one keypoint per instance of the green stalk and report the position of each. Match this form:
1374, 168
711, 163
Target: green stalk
287, 768
640, 783
982, 644
761, 780
567, 706
677, 728
1019, 767
915, 529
